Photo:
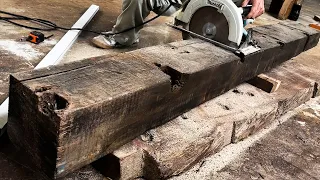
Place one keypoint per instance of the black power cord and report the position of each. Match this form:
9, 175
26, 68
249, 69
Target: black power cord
50, 26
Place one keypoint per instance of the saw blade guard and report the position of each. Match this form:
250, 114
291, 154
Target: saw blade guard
227, 7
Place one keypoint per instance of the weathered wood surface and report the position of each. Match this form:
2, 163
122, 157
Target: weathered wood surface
171, 143
71, 115
286, 9
171, 149
176, 148
201, 132
154, 152
312, 34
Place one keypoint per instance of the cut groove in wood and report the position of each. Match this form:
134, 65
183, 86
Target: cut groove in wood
265, 83
316, 90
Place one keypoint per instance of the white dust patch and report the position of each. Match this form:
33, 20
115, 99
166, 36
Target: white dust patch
49, 42
210, 167
302, 123
15, 10
310, 115
316, 108
20, 49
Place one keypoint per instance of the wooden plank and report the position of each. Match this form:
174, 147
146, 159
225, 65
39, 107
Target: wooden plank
286, 9
73, 117
56, 54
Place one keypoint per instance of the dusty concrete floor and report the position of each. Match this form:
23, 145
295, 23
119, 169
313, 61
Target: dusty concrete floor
65, 13
289, 149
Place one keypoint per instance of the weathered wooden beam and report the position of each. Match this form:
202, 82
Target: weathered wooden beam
312, 34
174, 147
71, 115
146, 157
187, 140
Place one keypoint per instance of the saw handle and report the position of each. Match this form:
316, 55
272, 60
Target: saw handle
246, 10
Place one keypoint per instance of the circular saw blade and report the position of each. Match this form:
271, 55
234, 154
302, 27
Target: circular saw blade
208, 22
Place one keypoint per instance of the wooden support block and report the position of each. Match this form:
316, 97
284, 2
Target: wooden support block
174, 147
286, 9
71, 115
291, 83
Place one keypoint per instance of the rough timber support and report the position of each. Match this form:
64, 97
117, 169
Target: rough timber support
73, 114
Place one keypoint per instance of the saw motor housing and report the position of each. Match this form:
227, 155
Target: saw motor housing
227, 8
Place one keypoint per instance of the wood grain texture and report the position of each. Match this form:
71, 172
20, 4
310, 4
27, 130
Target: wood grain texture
286, 9
179, 144
205, 130
312, 34
292, 41
68, 116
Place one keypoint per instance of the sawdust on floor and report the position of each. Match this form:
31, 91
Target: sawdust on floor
21, 49
210, 167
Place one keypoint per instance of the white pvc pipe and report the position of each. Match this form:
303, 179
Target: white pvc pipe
56, 54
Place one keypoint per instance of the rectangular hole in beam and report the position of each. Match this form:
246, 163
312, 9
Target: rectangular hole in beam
265, 83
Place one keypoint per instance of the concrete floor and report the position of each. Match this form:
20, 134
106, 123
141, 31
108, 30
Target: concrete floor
286, 151
65, 13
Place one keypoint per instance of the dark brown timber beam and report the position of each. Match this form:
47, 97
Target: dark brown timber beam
68, 116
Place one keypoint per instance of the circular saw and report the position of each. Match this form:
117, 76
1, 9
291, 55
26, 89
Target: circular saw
220, 21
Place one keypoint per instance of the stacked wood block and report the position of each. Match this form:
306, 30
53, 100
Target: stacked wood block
284, 8
68, 116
